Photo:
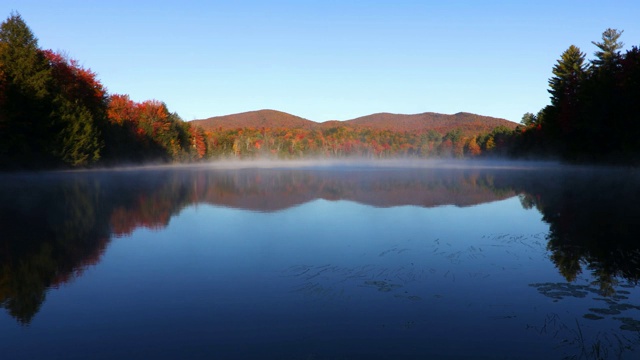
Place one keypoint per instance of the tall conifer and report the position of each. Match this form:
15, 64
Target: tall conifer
608, 54
25, 104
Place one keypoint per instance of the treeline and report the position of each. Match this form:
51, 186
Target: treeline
594, 115
344, 141
55, 113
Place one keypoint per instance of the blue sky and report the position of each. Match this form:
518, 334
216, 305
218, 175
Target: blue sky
327, 60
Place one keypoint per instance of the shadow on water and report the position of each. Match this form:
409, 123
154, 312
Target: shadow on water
55, 225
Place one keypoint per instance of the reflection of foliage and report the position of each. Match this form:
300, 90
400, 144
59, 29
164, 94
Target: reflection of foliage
57, 224
593, 222
527, 201
567, 263
54, 225
148, 202
49, 236
22, 288
269, 190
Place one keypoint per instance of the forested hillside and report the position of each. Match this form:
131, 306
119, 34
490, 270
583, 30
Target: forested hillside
469, 124
256, 120
277, 134
55, 113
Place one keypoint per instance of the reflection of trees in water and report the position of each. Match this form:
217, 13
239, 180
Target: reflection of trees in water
50, 233
593, 222
279, 189
593, 226
55, 225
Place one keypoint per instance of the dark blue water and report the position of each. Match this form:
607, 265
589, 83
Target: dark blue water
321, 262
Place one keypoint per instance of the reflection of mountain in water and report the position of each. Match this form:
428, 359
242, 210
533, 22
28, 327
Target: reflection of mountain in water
154, 196
272, 190
55, 225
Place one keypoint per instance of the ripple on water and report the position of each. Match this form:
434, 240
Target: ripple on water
592, 317
629, 324
382, 286
608, 311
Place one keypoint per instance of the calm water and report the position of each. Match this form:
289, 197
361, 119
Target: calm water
321, 262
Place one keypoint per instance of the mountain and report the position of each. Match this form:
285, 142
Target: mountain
255, 119
469, 123
441, 123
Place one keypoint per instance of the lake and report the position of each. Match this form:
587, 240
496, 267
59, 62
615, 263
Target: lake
327, 260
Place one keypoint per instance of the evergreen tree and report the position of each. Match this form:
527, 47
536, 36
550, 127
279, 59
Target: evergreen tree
561, 120
568, 72
50, 107
21, 60
529, 119
76, 141
25, 105
79, 110
630, 109
608, 54
602, 99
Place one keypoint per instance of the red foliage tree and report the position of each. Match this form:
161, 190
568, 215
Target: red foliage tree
121, 109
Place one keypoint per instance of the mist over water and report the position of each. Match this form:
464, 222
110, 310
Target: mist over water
344, 163
324, 259
379, 163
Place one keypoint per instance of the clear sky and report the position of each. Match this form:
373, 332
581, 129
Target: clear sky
327, 60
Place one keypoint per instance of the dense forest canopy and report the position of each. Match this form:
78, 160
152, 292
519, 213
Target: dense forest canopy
54, 113
594, 115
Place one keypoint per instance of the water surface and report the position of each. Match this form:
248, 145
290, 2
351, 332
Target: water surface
321, 262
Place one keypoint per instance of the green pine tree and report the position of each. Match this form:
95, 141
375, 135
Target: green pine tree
608, 54
50, 108
76, 141
25, 103
568, 73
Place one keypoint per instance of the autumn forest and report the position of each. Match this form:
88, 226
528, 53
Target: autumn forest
54, 113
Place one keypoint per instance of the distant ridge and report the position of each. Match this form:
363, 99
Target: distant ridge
469, 123
442, 123
255, 119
